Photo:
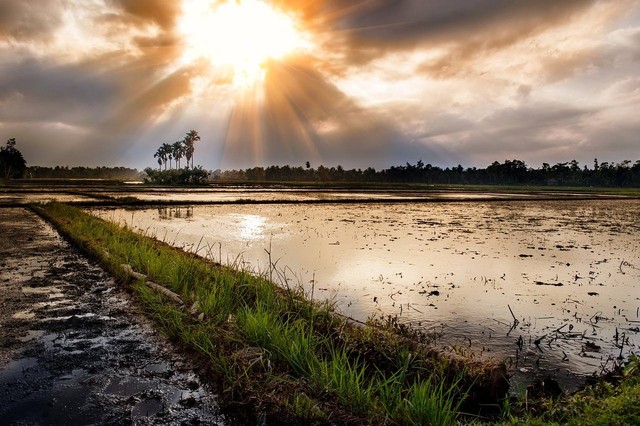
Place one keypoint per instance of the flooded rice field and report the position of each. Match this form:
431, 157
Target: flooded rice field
217, 195
24, 197
551, 286
96, 193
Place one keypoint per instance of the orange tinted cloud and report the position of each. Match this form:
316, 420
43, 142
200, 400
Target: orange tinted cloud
390, 81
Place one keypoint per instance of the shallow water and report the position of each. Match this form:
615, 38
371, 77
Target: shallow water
221, 195
569, 270
32, 197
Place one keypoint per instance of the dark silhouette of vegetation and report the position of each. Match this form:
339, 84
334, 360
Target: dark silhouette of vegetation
166, 153
186, 176
12, 163
185, 148
189, 142
511, 172
66, 172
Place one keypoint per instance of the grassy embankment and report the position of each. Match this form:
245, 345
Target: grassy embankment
273, 351
613, 400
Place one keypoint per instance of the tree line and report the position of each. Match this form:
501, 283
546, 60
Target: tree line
510, 172
80, 172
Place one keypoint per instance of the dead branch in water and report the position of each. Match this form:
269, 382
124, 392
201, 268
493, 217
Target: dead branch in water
515, 320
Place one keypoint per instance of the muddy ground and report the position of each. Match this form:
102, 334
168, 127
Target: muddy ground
74, 349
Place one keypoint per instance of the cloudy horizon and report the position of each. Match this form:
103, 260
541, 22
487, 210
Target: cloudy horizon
352, 82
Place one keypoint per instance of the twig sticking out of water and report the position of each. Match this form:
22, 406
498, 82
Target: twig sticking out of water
515, 320
621, 346
560, 328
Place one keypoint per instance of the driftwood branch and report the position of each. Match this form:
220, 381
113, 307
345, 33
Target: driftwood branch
170, 294
515, 320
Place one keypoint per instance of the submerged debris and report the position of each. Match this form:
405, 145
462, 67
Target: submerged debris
549, 284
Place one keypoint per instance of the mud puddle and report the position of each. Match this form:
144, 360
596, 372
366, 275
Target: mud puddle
74, 351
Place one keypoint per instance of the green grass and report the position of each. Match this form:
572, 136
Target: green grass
271, 349
607, 402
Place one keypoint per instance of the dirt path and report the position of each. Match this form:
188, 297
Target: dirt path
72, 348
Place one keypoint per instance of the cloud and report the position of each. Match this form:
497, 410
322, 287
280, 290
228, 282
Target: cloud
304, 116
541, 132
39, 90
390, 81
467, 29
144, 106
161, 12
29, 20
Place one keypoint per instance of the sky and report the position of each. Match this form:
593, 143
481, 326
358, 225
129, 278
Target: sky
356, 83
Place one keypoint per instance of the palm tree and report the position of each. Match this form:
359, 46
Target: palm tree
158, 155
178, 149
168, 152
161, 154
189, 141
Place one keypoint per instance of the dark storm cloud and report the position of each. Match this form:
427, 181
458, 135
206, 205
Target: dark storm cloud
467, 29
28, 20
410, 21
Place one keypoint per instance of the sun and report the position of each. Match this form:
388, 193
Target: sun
239, 37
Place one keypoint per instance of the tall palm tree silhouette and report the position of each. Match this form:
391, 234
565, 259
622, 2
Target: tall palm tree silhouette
178, 150
189, 141
168, 152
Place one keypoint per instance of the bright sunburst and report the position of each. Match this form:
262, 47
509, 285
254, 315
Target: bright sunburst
239, 36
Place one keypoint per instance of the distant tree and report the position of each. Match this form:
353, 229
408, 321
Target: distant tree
160, 156
189, 141
168, 152
511, 172
186, 176
12, 163
178, 149
79, 172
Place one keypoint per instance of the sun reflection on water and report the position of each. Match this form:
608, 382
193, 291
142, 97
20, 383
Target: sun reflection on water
251, 227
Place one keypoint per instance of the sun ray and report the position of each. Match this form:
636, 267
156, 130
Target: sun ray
270, 54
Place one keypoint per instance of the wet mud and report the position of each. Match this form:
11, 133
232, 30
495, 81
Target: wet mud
74, 350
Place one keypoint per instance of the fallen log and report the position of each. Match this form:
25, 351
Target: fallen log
170, 294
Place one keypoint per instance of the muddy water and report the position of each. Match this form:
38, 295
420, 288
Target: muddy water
569, 271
